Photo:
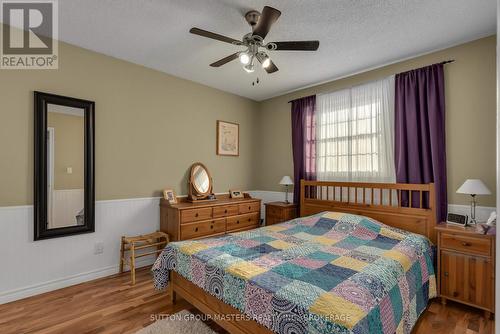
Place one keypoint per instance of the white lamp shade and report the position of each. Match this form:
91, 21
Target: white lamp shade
286, 181
474, 187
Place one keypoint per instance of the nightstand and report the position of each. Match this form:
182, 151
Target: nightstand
278, 212
466, 266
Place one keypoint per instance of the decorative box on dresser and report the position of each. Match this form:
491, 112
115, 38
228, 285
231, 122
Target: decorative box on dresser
278, 212
466, 267
185, 220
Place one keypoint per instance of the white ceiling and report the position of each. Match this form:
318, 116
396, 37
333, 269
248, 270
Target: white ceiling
353, 34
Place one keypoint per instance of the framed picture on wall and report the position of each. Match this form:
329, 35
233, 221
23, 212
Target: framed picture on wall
228, 138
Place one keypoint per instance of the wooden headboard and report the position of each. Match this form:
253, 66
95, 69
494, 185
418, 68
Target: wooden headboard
410, 207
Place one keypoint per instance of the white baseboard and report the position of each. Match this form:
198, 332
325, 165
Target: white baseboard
36, 289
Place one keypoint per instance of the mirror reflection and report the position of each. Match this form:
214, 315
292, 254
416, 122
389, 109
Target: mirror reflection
201, 179
65, 166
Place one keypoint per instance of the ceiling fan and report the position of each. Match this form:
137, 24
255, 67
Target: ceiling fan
254, 42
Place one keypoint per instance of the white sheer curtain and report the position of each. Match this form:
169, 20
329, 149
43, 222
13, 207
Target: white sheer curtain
355, 133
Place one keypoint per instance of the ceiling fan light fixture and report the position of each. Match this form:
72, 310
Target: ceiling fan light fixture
244, 58
266, 62
249, 68
263, 59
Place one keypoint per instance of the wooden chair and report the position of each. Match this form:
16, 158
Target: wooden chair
134, 244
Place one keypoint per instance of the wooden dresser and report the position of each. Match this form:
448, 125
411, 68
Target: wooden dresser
466, 266
186, 220
278, 212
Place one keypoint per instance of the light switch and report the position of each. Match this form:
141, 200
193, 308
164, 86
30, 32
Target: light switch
69, 170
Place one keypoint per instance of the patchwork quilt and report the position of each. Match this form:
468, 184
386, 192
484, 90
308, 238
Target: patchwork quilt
327, 273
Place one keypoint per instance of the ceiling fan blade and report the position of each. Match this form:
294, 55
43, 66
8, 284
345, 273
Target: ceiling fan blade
268, 16
271, 68
297, 46
225, 60
212, 35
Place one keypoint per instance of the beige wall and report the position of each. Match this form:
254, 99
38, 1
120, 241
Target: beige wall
69, 144
470, 118
150, 127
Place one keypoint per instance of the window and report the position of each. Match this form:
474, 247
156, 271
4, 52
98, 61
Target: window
355, 133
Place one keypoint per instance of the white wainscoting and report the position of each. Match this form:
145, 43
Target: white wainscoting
482, 212
31, 267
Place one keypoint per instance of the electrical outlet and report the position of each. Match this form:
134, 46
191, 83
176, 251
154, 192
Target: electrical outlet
99, 247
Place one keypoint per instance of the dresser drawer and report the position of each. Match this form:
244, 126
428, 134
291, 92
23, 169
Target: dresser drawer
246, 228
249, 207
466, 244
192, 215
200, 229
224, 211
241, 221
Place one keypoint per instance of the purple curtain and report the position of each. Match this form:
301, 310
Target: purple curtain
303, 142
420, 150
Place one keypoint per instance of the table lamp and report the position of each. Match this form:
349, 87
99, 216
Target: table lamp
286, 181
473, 187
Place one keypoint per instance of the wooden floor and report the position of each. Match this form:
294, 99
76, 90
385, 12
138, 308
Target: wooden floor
112, 305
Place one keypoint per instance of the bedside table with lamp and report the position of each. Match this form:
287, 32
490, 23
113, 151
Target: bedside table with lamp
278, 212
466, 258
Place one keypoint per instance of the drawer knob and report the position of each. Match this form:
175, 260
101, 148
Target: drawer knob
196, 214
237, 222
455, 294
225, 211
249, 219
211, 227
446, 273
466, 244
249, 208
196, 229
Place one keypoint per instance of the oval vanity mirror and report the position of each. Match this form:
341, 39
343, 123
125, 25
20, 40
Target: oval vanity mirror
201, 180
200, 183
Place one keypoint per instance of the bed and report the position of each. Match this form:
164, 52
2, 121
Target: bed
352, 264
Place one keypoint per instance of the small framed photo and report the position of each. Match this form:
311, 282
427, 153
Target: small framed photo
236, 194
228, 138
169, 195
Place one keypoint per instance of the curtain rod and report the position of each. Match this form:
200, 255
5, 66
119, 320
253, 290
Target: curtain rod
447, 61
442, 63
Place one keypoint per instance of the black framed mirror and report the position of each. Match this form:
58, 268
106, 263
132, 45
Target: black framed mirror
64, 195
